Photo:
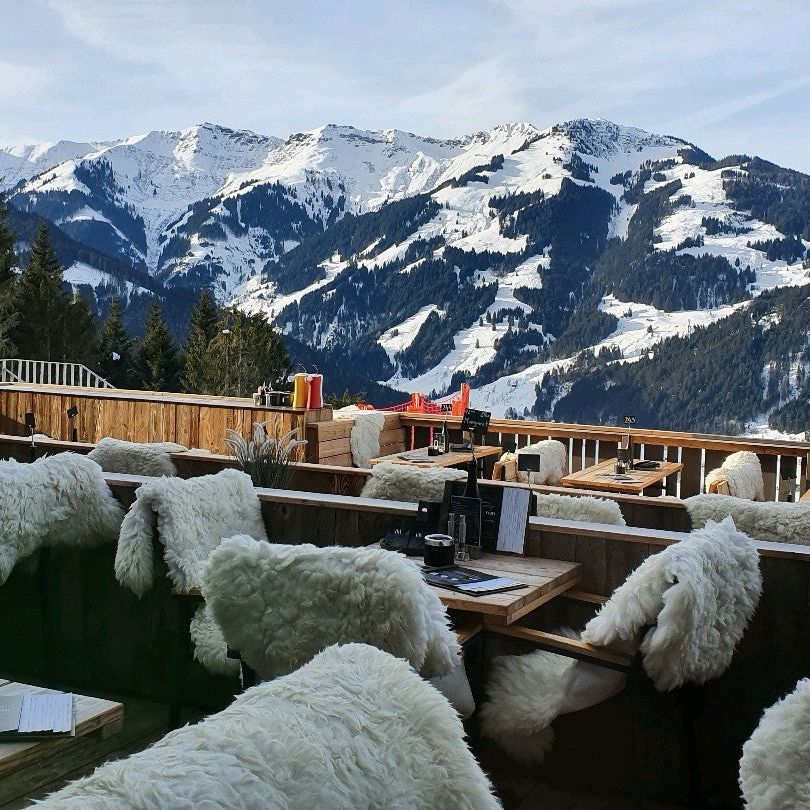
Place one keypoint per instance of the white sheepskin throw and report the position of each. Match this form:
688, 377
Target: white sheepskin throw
279, 605
191, 517
526, 693
699, 595
365, 438
354, 729
401, 482
553, 457
740, 476
365, 435
115, 455
56, 500
580, 507
777, 522
774, 772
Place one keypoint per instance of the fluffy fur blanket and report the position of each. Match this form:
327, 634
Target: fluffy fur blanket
740, 475
773, 769
191, 517
56, 500
553, 461
698, 594
279, 605
580, 507
115, 455
401, 482
355, 729
365, 435
526, 693
777, 522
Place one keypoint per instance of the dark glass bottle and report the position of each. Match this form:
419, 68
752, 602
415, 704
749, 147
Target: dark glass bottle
471, 490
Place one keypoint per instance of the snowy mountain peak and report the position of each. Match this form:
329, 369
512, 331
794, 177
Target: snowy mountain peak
601, 138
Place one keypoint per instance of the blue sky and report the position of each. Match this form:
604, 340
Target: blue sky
729, 76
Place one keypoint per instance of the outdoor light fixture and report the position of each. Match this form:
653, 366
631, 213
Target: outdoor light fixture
72, 412
31, 426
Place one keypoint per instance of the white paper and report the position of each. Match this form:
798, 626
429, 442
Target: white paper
514, 515
46, 713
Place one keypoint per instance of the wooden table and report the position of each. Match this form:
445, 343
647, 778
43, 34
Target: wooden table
544, 580
603, 476
92, 714
451, 459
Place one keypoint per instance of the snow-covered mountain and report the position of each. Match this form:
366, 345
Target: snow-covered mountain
497, 257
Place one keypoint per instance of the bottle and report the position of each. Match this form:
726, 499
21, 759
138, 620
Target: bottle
471, 490
462, 538
445, 437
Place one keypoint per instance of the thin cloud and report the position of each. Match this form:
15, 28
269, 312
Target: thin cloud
93, 69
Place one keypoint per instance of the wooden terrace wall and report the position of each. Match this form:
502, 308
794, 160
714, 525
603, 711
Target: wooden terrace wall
641, 511
143, 416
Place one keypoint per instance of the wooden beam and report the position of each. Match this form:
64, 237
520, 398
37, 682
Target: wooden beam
561, 644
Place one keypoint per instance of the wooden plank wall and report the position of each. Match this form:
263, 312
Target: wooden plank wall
330, 442
144, 417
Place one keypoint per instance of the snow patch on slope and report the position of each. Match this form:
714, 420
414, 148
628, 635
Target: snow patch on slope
399, 337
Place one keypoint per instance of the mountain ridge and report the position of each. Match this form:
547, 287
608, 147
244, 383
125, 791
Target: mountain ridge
494, 258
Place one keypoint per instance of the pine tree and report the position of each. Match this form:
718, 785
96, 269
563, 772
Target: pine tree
156, 359
115, 361
79, 333
8, 315
203, 326
246, 351
7, 257
40, 304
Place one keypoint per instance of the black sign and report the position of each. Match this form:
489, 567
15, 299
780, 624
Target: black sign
629, 420
476, 421
528, 462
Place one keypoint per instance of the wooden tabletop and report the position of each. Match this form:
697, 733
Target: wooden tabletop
450, 459
92, 714
544, 580
634, 482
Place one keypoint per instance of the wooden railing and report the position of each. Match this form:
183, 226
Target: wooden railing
198, 421
784, 463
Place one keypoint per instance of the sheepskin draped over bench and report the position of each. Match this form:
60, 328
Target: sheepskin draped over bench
117, 456
774, 772
191, 517
354, 729
698, 595
279, 605
56, 500
401, 482
779, 522
526, 693
740, 475
365, 436
584, 508
552, 458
